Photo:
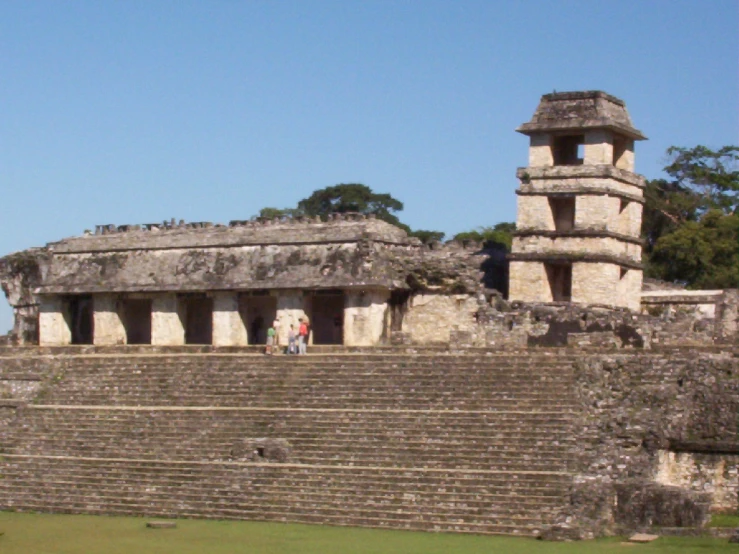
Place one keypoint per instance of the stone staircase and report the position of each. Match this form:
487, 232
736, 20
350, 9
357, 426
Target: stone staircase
478, 443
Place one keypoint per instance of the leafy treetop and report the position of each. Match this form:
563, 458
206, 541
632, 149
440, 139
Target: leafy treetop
691, 222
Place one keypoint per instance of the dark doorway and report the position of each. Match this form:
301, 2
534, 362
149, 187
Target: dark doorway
327, 317
398, 307
560, 281
81, 319
136, 314
198, 319
258, 311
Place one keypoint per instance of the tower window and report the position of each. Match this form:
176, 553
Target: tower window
563, 213
568, 149
560, 281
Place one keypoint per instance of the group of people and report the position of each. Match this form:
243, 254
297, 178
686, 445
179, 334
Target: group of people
297, 341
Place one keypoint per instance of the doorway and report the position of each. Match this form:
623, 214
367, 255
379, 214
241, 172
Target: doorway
81, 319
136, 315
327, 316
258, 310
198, 319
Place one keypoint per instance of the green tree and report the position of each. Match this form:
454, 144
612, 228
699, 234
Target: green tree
427, 236
702, 254
352, 197
713, 176
689, 221
500, 234
271, 213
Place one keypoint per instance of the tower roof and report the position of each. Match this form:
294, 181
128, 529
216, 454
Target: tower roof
576, 111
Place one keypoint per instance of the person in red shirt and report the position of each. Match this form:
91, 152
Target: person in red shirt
302, 336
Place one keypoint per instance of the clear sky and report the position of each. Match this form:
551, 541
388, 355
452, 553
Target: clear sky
140, 111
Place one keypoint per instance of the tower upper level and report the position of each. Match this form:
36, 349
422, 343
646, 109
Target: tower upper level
581, 128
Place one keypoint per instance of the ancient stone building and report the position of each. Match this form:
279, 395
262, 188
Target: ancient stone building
633, 425
363, 282
579, 204
356, 279
221, 285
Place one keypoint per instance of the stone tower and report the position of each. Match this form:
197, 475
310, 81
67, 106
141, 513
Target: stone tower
579, 205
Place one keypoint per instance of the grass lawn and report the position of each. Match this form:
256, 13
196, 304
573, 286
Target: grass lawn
724, 520
73, 534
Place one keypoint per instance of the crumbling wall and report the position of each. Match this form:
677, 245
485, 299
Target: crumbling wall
499, 323
20, 274
638, 413
712, 473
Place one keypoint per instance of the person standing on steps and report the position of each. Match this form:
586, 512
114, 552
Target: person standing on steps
291, 339
269, 350
302, 336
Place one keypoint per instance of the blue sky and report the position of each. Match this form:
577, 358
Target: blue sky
140, 111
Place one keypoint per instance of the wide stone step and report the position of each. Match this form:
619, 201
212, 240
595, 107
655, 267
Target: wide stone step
519, 526
192, 490
395, 460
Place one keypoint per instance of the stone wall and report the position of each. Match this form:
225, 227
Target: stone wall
431, 318
716, 474
487, 320
366, 317
657, 420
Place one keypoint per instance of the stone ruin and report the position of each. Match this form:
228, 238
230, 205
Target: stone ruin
629, 423
363, 282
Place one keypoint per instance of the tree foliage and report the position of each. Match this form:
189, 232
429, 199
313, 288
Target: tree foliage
427, 237
703, 254
690, 222
500, 234
712, 177
352, 197
271, 213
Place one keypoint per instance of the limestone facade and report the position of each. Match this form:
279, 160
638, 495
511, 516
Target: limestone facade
579, 205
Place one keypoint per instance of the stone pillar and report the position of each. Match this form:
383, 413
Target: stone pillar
108, 327
167, 327
290, 308
228, 326
598, 147
53, 322
364, 317
528, 280
540, 150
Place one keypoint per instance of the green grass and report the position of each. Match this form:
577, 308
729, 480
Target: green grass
724, 520
73, 534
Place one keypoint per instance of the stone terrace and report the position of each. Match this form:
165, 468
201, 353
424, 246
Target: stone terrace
472, 443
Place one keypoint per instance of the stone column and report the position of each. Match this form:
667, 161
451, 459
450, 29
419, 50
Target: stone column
53, 322
364, 316
228, 326
167, 327
108, 327
290, 308
598, 147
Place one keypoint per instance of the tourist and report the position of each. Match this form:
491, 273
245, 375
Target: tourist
269, 350
291, 340
302, 337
